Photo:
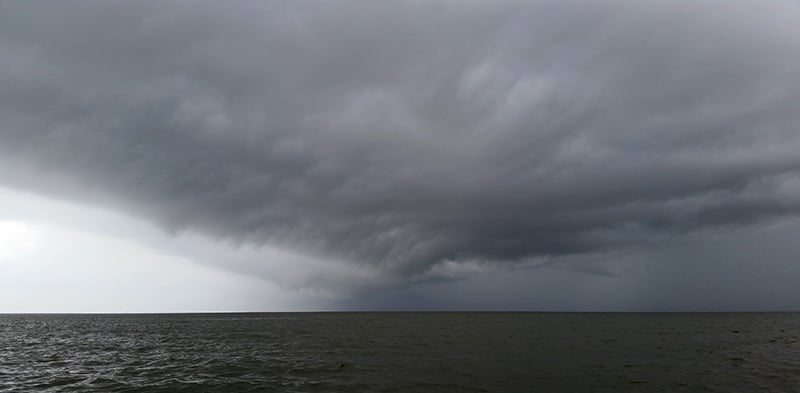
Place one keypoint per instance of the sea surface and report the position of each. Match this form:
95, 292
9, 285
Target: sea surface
401, 352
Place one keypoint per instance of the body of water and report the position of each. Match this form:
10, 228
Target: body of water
401, 352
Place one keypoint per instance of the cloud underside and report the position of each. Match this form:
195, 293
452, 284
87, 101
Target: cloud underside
408, 136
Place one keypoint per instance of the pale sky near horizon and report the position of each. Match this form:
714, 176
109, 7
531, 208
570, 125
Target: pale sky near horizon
60, 257
164, 156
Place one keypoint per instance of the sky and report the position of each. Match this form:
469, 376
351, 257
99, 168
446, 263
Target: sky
555, 155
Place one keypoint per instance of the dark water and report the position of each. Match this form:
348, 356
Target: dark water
401, 352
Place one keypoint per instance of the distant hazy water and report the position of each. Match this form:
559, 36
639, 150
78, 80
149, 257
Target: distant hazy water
401, 352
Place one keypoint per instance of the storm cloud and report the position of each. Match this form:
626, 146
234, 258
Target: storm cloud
410, 137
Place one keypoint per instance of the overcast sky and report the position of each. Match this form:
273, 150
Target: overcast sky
304, 155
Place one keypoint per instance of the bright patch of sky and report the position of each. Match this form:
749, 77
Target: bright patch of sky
58, 257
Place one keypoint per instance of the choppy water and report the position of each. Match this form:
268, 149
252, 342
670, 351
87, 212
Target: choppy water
401, 352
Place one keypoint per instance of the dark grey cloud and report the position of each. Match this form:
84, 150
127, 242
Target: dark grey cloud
410, 136
747, 269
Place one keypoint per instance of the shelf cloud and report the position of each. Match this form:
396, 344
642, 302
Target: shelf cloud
412, 138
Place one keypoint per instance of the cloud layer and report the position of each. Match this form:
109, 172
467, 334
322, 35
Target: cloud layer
411, 137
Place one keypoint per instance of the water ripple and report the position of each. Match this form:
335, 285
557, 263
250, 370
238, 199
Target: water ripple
404, 352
